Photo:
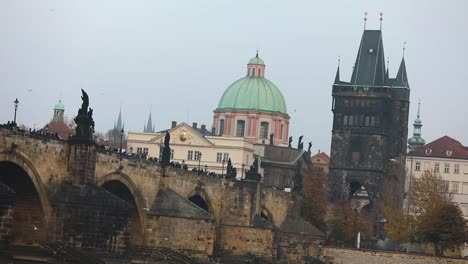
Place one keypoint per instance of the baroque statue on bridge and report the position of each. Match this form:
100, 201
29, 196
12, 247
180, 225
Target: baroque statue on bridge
84, 122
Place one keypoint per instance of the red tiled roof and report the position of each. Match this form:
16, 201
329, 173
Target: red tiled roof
322, 155
444, 147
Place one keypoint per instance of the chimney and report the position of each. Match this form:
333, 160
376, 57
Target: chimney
194, 125
203, 130
174, 124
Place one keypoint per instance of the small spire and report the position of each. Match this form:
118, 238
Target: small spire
381, 19
404, 48
419, 107
337, 76
256, 56
365, 20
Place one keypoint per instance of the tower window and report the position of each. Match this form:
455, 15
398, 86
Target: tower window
356, 152
263, 129
240, 128
281, 132
345, 120
221, 127
253, 71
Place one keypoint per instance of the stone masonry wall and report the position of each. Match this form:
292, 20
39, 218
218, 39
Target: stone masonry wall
7, 205
350, 256
293, 247
238, 240
194, 237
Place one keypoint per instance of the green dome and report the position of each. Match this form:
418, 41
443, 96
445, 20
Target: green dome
256, 60
253, 93
416, 141
59, 106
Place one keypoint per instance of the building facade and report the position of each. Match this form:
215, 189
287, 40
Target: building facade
253, 108
446, 157
192, 147
370, 127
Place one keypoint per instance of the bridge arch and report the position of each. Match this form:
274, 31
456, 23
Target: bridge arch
24, 162
266, 214
199, 197
359, 195
121, 185
31, 209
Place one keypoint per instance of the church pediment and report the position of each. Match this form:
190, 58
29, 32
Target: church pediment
184, 134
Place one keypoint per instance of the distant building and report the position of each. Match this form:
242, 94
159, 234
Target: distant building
57, 124
446, 157
191, 145
321, 160
119, 125
149, 127
252, 108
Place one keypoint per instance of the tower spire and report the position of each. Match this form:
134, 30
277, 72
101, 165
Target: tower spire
365, 20
337, 76
416, 140
381, 19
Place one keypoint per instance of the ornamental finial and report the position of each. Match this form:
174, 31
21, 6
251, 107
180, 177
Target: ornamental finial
365, 20
381, 19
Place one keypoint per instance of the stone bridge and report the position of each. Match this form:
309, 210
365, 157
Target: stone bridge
52, 190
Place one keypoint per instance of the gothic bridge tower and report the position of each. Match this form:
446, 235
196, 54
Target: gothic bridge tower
370, 127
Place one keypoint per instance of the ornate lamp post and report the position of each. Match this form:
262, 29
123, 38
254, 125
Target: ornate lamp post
222, 169
199, 160
16, 108
121, 142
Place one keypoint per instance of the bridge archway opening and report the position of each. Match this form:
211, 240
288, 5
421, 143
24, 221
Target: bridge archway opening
28, 226
134, 226
200, 202
359, 197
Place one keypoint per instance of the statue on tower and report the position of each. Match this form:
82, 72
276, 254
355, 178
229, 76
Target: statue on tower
84, 122
300, 144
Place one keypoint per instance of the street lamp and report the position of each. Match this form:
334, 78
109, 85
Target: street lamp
16, 108
242, 175
222, 169
199, 160
121, 142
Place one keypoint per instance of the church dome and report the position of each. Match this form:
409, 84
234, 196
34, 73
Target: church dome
59, 106
253, 92
416, 141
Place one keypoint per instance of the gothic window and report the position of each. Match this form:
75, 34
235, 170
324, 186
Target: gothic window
190, 155
372, 121
240, 128
263, 129
367, 122
221, 127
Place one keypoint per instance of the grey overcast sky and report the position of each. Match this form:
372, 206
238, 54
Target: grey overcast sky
177, 57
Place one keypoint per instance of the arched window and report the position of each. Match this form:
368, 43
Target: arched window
263, 129
240, 128
253, 71
221, 127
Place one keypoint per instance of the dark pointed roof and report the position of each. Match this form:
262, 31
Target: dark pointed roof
369, 68
337, 76
402, 77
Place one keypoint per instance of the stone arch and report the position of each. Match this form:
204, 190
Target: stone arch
24, 162
266, 214
359, 194
125, 180
204, 196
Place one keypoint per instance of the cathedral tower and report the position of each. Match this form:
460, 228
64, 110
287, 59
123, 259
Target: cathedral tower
370, 127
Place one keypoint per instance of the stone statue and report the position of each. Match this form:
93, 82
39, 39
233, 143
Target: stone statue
310, 146
300, 145
166, 154
84, 122
271, 138
290, 141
